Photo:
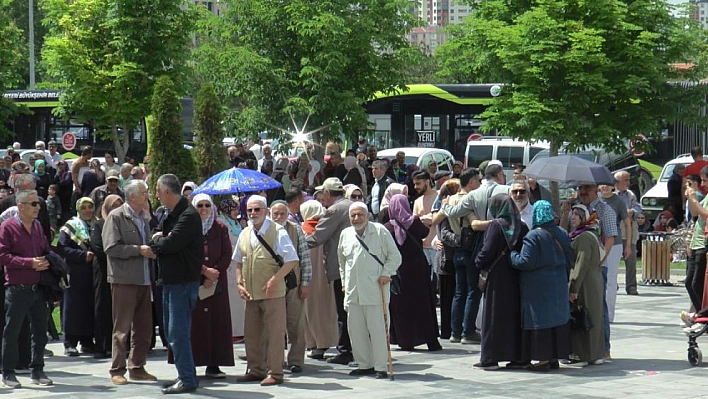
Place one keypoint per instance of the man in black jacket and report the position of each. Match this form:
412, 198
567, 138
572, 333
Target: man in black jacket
180, 253
381, 183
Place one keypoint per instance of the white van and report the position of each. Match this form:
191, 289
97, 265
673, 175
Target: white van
505, 149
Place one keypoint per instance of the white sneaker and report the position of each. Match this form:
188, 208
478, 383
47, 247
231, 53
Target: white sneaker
597, 362
694, 328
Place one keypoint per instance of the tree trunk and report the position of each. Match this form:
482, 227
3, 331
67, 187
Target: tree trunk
120, 149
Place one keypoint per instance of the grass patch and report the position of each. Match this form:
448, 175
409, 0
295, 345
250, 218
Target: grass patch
674, 265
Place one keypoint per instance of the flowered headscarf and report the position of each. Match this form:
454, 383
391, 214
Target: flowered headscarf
542, 213
77, 228
503, 209
588, 220
208, 222
225, 207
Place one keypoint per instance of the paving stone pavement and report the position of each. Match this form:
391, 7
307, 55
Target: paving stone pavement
648, 350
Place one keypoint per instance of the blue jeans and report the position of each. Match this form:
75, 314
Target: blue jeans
465, 304
605, 312
178, 301
20, 303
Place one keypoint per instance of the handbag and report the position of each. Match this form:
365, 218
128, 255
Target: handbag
290, 278
580, 317
395, 279
482, 280
472, 240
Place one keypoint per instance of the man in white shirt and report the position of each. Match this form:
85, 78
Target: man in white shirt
520, 195
368, 257
261, 284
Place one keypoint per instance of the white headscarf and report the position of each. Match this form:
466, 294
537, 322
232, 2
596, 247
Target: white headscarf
314, 169
208, 222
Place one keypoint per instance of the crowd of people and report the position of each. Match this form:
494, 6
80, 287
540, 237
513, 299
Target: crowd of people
355, 256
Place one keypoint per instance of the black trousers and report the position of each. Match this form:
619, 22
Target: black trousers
344, 345
23, 340
447, 293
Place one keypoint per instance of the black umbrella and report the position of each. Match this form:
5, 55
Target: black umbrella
569, 168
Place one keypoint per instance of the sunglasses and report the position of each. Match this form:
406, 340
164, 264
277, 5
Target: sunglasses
33, 203
207, 205
357, 197
254, 210
518, 191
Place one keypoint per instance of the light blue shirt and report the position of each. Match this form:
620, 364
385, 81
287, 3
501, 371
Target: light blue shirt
375, 204
140, 223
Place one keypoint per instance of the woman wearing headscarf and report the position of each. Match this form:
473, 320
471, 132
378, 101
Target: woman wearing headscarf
211, 318
586, 285
414, 319
353, 193
355, 173
662, 220
102, 305
501, 314
43, 178
78, 304
187, 189
544, 263
66, 187
321, 326
229, 215
280, 174
391, 190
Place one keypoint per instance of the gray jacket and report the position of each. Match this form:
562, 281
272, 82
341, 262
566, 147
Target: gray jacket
476, 201
121, 242
327, 233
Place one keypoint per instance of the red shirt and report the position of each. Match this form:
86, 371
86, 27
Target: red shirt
695, 169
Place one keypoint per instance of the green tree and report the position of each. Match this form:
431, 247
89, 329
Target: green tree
284, 63
584, 72
107, 55
10, 59
168, 154
208, 149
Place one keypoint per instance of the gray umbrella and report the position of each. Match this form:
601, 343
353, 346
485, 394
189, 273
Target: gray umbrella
569, 168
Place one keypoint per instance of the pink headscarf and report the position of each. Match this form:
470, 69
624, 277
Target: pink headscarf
391, 190
400, 209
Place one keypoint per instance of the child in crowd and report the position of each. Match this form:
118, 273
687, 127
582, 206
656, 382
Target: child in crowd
54, 207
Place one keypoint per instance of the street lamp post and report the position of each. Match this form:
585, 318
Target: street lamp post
31, 44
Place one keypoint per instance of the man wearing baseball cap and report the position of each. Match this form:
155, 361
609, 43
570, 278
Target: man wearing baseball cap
327, 234
99, 194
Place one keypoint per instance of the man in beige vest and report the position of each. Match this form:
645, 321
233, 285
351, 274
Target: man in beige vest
261, 284
295, 298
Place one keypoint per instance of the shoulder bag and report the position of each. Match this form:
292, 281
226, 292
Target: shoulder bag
395, 279
290, 278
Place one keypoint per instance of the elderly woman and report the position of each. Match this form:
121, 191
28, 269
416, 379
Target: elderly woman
43, 178
229, 215
321, 326
102, 309
211, 319
544, 263
413, 316
391, 190
501, 314
586, 285
77, 307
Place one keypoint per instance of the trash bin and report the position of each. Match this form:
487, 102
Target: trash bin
656, 259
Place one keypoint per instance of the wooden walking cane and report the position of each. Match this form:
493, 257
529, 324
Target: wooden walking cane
388, 336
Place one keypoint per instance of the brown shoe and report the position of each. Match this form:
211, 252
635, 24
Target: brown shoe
248, 378
141, 375
270, 380
119, 380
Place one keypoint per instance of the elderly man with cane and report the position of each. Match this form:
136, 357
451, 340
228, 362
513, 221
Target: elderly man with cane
368, 257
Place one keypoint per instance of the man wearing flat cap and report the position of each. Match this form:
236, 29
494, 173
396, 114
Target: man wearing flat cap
327, 232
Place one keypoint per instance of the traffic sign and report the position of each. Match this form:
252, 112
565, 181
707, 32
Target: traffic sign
633, 144
68, 141
474, 137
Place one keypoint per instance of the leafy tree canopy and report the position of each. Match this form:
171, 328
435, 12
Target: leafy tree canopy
108, 54
586, 72
10, 60
283, 63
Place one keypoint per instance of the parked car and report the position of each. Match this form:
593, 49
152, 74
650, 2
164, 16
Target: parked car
507, 150
654, 200
422, 156
641, 179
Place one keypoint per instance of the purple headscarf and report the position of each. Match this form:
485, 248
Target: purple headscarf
400, 209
